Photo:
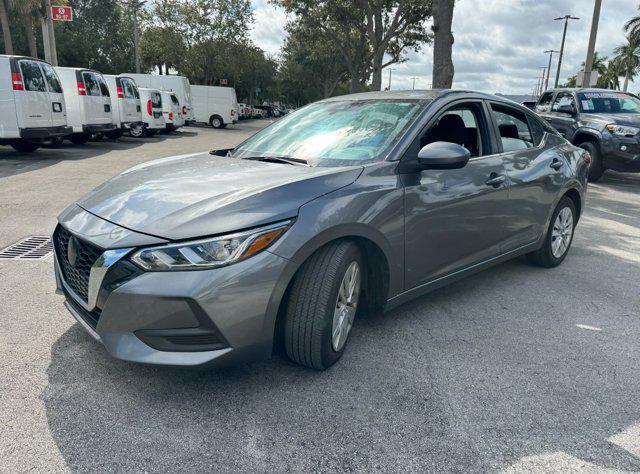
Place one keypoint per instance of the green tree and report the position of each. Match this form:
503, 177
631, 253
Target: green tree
632, 27
628, 57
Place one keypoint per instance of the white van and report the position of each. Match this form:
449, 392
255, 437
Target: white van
178, 84
32, 105
88, 102
173, 118
125, 100
216, 106
151, 101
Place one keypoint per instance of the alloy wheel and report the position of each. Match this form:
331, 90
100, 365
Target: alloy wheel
562, 232
346, 306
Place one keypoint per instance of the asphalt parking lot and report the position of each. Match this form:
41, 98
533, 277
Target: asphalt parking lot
517, 368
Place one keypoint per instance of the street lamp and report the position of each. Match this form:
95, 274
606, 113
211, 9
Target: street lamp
566, 19
136, 5
390, 69
541, 82
414, 83
550, 51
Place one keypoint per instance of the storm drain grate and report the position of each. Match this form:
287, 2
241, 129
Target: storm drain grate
34, 247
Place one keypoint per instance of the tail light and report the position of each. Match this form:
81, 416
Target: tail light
120, 93
233, 112
149, 111
16, 78
170, 115
81, 88
184, 110
586, 157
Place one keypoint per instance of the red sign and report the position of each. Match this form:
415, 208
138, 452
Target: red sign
224, 82
62, 13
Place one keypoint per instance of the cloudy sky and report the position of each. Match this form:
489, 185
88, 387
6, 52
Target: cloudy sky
499, 44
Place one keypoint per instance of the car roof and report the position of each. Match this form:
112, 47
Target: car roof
585, 89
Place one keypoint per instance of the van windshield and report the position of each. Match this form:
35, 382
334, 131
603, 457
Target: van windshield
336, 133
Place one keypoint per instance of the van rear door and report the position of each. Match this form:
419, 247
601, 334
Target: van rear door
33, 106
131, 100
97, 101
56, 95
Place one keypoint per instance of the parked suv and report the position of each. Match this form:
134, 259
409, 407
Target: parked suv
604, 122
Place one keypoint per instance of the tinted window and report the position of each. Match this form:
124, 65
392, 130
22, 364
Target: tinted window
51, 77
32, 76
459, 125
537, 129
513, 127
174, 99
104, 89
544, 104
91, 84
563, 99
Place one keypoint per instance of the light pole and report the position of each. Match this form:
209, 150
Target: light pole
566, 19
390, 69
541, 85
414, 83
136, 5
550, 51
588, 64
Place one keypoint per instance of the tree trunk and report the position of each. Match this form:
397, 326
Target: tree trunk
442, 44
6, 31
159, 69
376, 75
626, 82
31, 37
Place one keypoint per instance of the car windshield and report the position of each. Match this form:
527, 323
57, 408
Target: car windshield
608, 102
333, 133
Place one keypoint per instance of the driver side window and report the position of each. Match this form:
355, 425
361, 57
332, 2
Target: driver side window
563, 100
462, 125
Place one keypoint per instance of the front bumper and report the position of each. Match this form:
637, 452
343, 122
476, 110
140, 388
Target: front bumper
621, 153
185, 318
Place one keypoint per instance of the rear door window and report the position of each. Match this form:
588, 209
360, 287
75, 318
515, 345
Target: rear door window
52, 78
174, 99
537, 129
91, 84
513, 128
128, 89
104, 89
32, 76
156, 100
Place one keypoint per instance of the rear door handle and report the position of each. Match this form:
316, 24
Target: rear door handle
495, 180
556, 164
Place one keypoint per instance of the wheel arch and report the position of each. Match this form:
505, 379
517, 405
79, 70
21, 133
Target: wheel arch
574, 195
586, 135
378, 273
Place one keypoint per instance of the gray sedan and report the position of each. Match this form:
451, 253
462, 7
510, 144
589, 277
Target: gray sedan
351, 204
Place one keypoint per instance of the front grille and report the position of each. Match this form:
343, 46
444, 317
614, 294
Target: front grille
89, 317
76, 276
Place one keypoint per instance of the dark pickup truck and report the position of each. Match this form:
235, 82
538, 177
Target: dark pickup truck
604, 122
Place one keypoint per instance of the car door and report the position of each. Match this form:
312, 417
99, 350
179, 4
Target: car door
454, 217
130, 104
33, 104
93, 99
565, 123
534, 169
106, 115
56, 95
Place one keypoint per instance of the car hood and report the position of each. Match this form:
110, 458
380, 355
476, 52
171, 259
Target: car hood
197, 195
632, 120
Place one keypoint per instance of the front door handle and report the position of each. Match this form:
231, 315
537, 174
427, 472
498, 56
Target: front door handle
556, 164
495, 180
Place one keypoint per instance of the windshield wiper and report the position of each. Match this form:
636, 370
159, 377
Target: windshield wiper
279, 159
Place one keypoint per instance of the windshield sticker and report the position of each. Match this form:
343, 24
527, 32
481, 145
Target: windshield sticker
604, 95
587, 105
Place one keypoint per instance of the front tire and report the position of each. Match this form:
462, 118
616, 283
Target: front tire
322, 305
596, 168
559, 236
24, 146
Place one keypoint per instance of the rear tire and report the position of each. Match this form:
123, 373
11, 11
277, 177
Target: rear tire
596, 168
24, 146
79, 138
318, 311
114, 134
216, 121
552, 253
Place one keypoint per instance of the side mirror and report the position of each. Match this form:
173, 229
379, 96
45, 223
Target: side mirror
566, 109
442, 156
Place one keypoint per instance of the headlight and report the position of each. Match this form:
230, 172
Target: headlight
209, 253
622, 130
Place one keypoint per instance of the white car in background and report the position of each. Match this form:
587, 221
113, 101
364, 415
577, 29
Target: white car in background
88, 103
178, 84
152, 116
173, 118
125, 99
32, 105
217, 106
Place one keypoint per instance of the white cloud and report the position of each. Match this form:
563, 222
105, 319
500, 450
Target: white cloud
499, 44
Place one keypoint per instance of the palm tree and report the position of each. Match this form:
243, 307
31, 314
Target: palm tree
628, 57
610, 77
633, 28
31, 11
6, 30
